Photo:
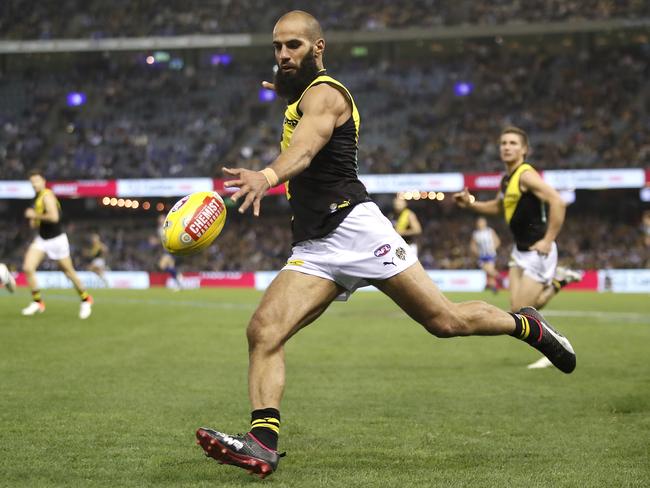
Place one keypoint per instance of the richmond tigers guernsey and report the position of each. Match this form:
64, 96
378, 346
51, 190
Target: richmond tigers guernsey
402, 224
524, 212
48, 230
325, 193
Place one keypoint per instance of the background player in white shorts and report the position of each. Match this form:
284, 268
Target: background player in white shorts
52, 242
484, 245
535, 213
340, 239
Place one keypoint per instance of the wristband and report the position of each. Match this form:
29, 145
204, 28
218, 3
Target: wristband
271, 177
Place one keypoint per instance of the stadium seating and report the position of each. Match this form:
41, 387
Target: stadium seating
23, 19
583, 108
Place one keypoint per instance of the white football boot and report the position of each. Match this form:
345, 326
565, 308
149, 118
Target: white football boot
7, 279
86, 308
541, 363
34, 308
567, 275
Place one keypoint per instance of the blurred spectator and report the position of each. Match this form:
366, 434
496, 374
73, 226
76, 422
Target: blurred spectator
587, 108
25, 19
645, 228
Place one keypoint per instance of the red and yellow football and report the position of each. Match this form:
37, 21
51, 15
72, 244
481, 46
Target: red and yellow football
193, 223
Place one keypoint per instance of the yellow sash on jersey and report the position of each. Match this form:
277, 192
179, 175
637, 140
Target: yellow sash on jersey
513, 192
292, 114
402, 223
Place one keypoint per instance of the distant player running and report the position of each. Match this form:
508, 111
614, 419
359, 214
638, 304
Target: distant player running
97, 252
484, 245
52, 242
167, 263
406, 223
535, 213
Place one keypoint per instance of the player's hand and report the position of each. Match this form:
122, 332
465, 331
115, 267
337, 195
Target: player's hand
464, 199
542, 247
252, 186
30, 213
268, 85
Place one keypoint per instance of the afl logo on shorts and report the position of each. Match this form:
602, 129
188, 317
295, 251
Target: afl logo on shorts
382, 250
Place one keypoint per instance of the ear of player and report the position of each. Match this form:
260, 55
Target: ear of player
193, 223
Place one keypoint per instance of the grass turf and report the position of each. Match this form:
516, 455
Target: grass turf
371, 399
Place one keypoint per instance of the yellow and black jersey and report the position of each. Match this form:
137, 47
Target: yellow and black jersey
402, 222
48, 230
523, 211
325, 193
96, 251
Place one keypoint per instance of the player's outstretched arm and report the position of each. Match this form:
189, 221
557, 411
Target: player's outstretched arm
464, 199
531, 180
322, 107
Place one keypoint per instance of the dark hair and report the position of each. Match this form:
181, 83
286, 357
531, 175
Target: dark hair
36, 172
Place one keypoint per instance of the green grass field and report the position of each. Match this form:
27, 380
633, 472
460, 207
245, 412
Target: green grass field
371, 399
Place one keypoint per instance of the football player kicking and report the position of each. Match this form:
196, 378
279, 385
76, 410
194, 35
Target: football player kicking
341, 241
52, 242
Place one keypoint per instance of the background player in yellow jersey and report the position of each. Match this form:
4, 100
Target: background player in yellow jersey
341, 241
97, 253
52, 242
167, 262
406, 223
535, 213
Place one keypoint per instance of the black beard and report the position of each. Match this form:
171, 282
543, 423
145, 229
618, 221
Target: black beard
291, 85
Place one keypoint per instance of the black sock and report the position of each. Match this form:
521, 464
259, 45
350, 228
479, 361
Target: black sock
526, 328
265, 425
36, 295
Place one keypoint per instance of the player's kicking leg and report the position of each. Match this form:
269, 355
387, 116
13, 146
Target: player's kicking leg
272, 324
418, 296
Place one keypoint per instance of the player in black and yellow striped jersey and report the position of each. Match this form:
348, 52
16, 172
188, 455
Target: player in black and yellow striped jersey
46, 216
97, 253
535, 213
406, 222
342, 241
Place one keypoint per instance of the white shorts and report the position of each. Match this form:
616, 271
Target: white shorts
536, 266
364, 246
56, 248
98, 263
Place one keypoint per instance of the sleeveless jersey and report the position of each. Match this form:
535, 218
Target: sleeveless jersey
325, 193
524, 212
48, 230
485, 242
402, 224
97, 251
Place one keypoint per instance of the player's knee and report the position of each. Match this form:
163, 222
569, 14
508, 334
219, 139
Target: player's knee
445, 324
261, 332
29, 268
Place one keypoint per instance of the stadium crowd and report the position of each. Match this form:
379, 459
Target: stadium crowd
24, 19
587, 242
583, 108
